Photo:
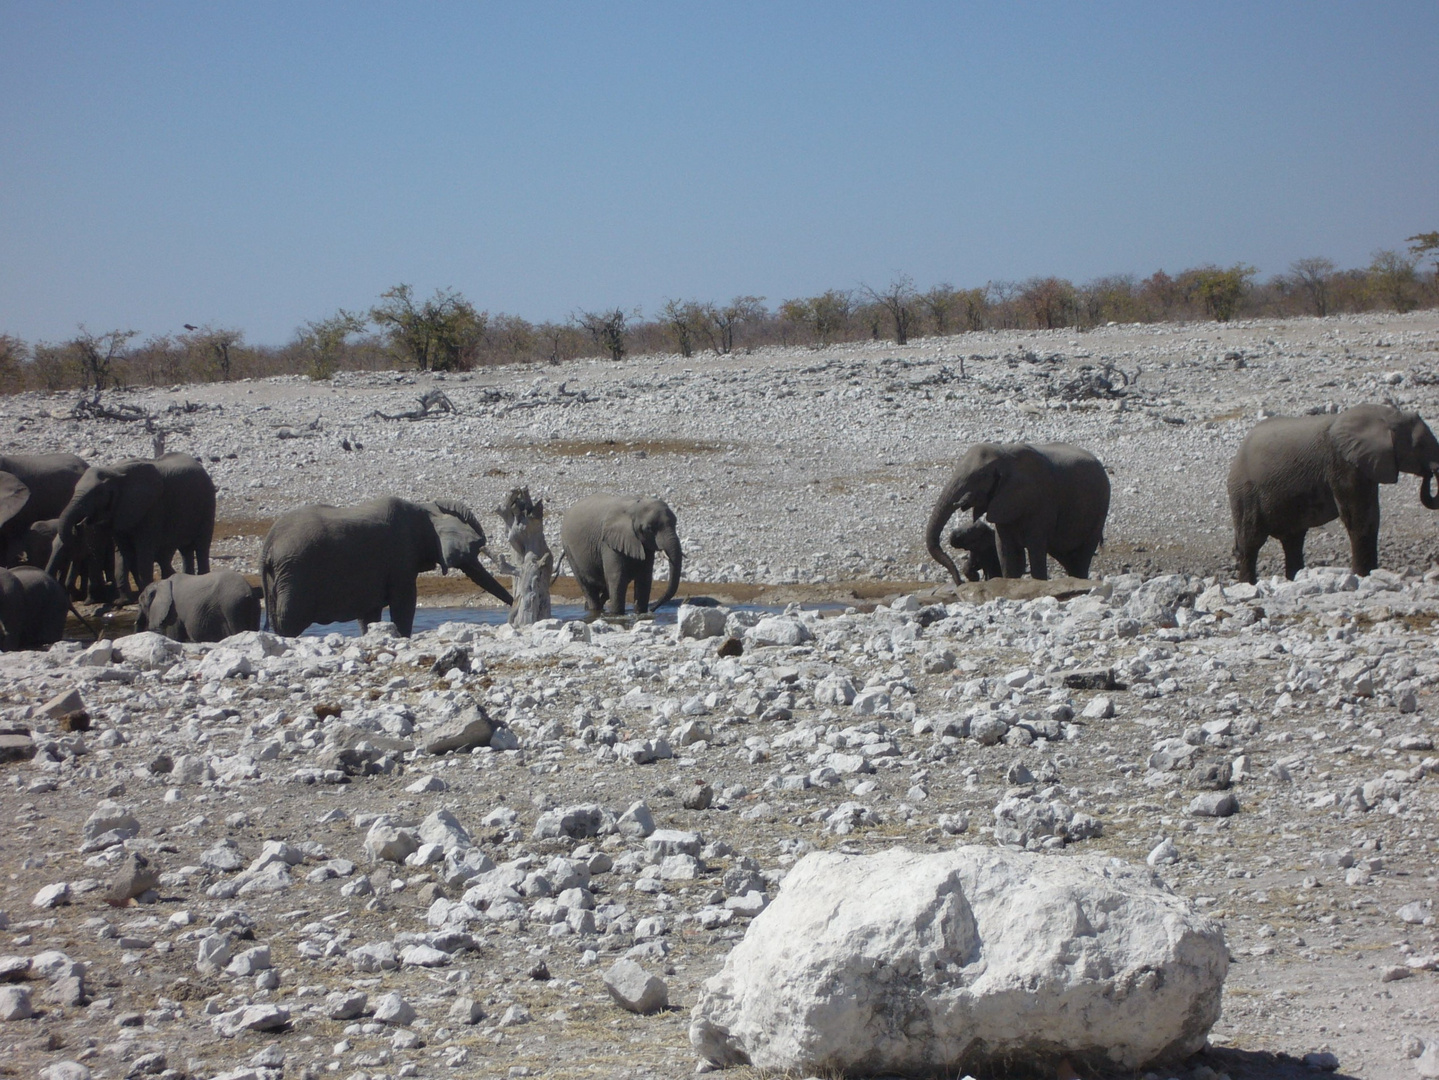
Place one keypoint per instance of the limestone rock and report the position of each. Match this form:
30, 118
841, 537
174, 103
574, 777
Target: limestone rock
471, 728
900, 962
700, 622
635, 989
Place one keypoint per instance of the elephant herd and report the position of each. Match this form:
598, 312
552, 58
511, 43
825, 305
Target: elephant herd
1290, 475
69, 530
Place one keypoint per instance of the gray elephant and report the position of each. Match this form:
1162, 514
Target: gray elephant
1296, 473
199, 607
976, 540
34, 487
611, 541
323, 564
87, 570
33, 606
152, 509
1044, 500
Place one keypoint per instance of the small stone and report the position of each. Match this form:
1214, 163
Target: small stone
1395, 973
68, 702
1321, 1061
391, 1008
1100, 708
346, 1004
635, 989
699, 796
1214, 804
1163, 854
15, 1003
52, 896
263, 1017
466, 1010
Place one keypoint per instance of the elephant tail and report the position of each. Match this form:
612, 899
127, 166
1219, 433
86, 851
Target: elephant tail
267, 589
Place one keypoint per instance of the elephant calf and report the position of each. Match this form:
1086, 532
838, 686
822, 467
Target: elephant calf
33, 606
1296, 473
199, 607
981, 561
611, 541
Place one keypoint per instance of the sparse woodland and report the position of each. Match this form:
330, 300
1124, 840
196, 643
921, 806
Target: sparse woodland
446, 332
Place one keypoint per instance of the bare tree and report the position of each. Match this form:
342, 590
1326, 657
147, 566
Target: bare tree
1392, 279
97, 354
720, 323
1311, 276
684, 319
324, 341
940, 302
607, 329
898, 301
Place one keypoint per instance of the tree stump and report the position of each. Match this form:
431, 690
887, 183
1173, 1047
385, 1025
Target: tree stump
525, 530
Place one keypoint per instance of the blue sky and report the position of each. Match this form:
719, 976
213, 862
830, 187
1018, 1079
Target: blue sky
257, 165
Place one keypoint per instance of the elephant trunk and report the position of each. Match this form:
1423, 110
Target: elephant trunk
65, 533
938, 519
668, 541
485, 580
1426, 494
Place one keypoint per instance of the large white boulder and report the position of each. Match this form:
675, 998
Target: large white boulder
902, 962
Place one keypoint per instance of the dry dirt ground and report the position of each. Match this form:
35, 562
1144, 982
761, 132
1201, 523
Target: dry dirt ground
800, 476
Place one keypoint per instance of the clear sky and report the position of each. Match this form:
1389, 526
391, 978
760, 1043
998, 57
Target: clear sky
256, 165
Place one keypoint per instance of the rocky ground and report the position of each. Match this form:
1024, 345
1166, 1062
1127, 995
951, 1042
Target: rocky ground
245, 860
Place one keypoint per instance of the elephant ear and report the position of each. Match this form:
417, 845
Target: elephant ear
139, 488
620, 534
1007, 500
1364, 437
13, 496
459, 543
162, 603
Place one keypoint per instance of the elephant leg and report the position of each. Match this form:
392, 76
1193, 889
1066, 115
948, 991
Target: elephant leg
1360, 516
1011, 554
1293, 553
617, 580
1246, 556
644, 580
187, 560
402, 609
1076, 564
1038, 549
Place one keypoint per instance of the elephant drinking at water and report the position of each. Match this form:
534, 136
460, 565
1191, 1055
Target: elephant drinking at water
1296, 473
1050, 499
322, 564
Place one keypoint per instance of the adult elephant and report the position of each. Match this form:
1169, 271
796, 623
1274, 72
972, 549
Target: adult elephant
1296, 473
322, 564
32, 609
151, 509
1050, 499
611, 541
34, 487
199, 607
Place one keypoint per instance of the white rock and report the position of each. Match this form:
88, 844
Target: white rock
635, 989
1100, 708
222, 663
52, 895
15, 1003
900, 962
149, 651
778, 630
391, 1008
390, 842
700, 622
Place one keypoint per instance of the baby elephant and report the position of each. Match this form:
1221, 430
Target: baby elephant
32, 609
199, 607
982, 561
